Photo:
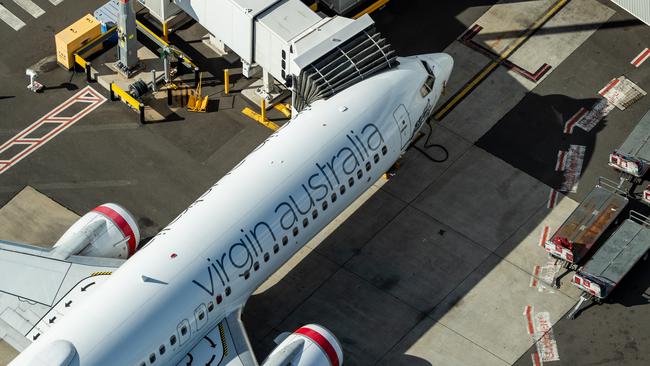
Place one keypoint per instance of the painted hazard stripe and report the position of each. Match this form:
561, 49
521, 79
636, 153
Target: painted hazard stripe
533, 280
571, 122
121, 223
536, 360
528, 313
552, 198
641, 57
324, 344
544, 236
608, 87
559, 164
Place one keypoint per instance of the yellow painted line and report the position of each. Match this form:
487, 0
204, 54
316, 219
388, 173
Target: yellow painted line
504, 55
284, 109
257, 117
126, 97
145, 29
378, 4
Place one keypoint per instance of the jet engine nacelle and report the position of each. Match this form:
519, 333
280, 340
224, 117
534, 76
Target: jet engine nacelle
310, 345
107, 231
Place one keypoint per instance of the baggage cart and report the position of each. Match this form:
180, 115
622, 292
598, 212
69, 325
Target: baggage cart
574, 239
633, 157
613, 260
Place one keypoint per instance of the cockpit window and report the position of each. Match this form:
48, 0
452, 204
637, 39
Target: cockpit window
427, 87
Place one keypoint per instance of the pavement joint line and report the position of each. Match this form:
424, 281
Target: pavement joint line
490, 67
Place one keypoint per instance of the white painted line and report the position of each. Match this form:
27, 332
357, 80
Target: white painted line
622, 92
30, 7
561, 158
546, 345
56, 2
63, 124
552, 198
599, 111
571, 122
641, 57
9, 18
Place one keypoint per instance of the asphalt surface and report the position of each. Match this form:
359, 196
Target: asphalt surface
157, 170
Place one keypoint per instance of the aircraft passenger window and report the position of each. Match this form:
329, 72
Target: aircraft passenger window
342, 189
384, 150
210, 307
333, 197
172, 340
143, 364
161, 350
227, 291
376, 158
314, 214
152, 358
295, 231
351, 182
276, 248
219, 299
359, 173
305, 222
256, 266
266, 257
247, 275
201, 315
285, 240
183, 330
368, 166
324, 205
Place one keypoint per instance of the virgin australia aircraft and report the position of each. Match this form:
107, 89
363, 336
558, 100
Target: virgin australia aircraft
178, 300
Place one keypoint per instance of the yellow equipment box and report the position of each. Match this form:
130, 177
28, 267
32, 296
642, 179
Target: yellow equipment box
69, 40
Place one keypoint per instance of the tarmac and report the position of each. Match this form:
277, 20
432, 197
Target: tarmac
436, 266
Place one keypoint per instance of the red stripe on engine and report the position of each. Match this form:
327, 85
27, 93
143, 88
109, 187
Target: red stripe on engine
322, 342
121, 223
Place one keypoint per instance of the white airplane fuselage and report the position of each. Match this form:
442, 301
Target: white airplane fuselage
238, 233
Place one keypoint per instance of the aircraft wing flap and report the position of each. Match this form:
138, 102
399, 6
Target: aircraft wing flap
37, 290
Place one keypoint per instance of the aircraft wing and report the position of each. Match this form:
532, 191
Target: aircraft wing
225, 345
36, 290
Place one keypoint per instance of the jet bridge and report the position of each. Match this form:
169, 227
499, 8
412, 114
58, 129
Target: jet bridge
315, 57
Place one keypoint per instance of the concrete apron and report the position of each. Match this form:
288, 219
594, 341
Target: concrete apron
503, 89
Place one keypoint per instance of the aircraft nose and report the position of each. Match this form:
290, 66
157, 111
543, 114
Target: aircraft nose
442, 64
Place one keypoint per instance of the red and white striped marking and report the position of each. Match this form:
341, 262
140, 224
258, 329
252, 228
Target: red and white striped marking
609, 86
571, 122
552, 198
539, 328
533, 280
561, 159
641, 57
87, 95
325, 340
123, 221
543, 236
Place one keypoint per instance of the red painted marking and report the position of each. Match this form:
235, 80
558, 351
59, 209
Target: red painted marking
529, 319
551, 199
608, 87
640, 58
571, 122
322, 342
50, 117
536, 360
559, 164
121, 223
544, 237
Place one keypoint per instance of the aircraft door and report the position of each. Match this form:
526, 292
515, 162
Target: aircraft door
403, 121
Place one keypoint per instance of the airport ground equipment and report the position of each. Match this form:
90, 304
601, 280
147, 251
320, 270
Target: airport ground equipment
72, 38
196, 102
33, 85
575, 238
613, 260
127, 42
633, 157
315, 57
